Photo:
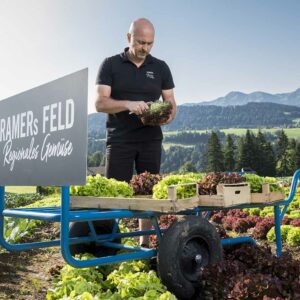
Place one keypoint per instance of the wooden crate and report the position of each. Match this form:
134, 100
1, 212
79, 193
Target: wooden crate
170, 205
266, 196
227, 195
236, 194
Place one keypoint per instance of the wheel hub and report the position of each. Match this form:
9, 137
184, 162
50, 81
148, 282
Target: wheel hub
194, 257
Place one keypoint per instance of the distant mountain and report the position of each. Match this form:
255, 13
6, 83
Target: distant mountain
250, 115
96, 122
238, 98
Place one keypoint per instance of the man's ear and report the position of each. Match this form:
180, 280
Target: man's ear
128, 37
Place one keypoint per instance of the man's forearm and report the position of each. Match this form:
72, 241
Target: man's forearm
174, 106
111, 106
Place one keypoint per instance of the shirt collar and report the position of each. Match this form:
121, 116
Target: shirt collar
123, 55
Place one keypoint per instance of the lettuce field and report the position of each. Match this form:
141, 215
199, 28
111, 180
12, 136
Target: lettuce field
245, 271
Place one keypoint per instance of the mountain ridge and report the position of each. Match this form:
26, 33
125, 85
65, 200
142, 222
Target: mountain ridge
250, 115
240, 98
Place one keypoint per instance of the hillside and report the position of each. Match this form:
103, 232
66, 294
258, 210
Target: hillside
238, 98
251, 115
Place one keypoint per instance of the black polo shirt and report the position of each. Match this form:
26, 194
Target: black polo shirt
129, 82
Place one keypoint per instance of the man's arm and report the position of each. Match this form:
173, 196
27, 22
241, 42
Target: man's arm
168, 96
104, 102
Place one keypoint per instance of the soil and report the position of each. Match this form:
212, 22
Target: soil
28, 274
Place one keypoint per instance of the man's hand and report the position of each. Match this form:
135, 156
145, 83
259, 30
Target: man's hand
170, 119
137, 107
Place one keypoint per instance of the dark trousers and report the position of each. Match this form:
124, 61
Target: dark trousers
122, 157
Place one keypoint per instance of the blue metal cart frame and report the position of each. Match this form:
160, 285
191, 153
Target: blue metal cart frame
64, 215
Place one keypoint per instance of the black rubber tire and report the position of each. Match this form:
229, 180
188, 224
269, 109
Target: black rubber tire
177, 266
81, 229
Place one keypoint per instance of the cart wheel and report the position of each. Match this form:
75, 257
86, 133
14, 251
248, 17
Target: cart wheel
81, 229
190, 244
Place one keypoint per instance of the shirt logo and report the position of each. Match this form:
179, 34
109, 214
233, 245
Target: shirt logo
150, 74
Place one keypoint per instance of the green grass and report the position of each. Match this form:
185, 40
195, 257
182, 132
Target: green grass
21, 189
290, 132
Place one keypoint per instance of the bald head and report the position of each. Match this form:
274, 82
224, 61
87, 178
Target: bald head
141, 26
140, 39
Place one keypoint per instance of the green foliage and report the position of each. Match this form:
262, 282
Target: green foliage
255, 211
255, 182
187, 167
265, 156
294, 214
251, 115
293, 237
248, 155
17, 228
174, 158
101, 186
215, 156
129, 280
284, 232
229, 154
48, 190
158, 113
160, 190
274, 185
95, 159
16, 200
267, 211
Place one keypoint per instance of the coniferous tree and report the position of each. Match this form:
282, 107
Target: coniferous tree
215, 155
282, 161
269, 161
248, 151
265, 165
187, 167
282, 144
297, 157
240, 153
291, 153
198, 156
261, 151
229, 154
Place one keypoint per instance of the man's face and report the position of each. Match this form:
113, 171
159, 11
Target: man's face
140, 44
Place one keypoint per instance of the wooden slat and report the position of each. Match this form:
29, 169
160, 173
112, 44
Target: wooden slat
266, 197
122, 203
228, 195
211, 200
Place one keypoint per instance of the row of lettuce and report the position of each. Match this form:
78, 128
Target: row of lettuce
147, 184
134, 280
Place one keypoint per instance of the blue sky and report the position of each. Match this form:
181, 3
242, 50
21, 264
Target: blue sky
212, 47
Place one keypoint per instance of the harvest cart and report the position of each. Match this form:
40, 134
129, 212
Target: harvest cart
184, 248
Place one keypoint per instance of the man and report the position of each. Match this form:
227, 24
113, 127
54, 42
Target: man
125, 84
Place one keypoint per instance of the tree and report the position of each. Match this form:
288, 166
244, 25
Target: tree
215, 157
95, 159
269, 161
175, 157
282, 161
292, 154
198, 156
247, 151
282, 144
229, 154
187, 167
266, 164
297, 157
